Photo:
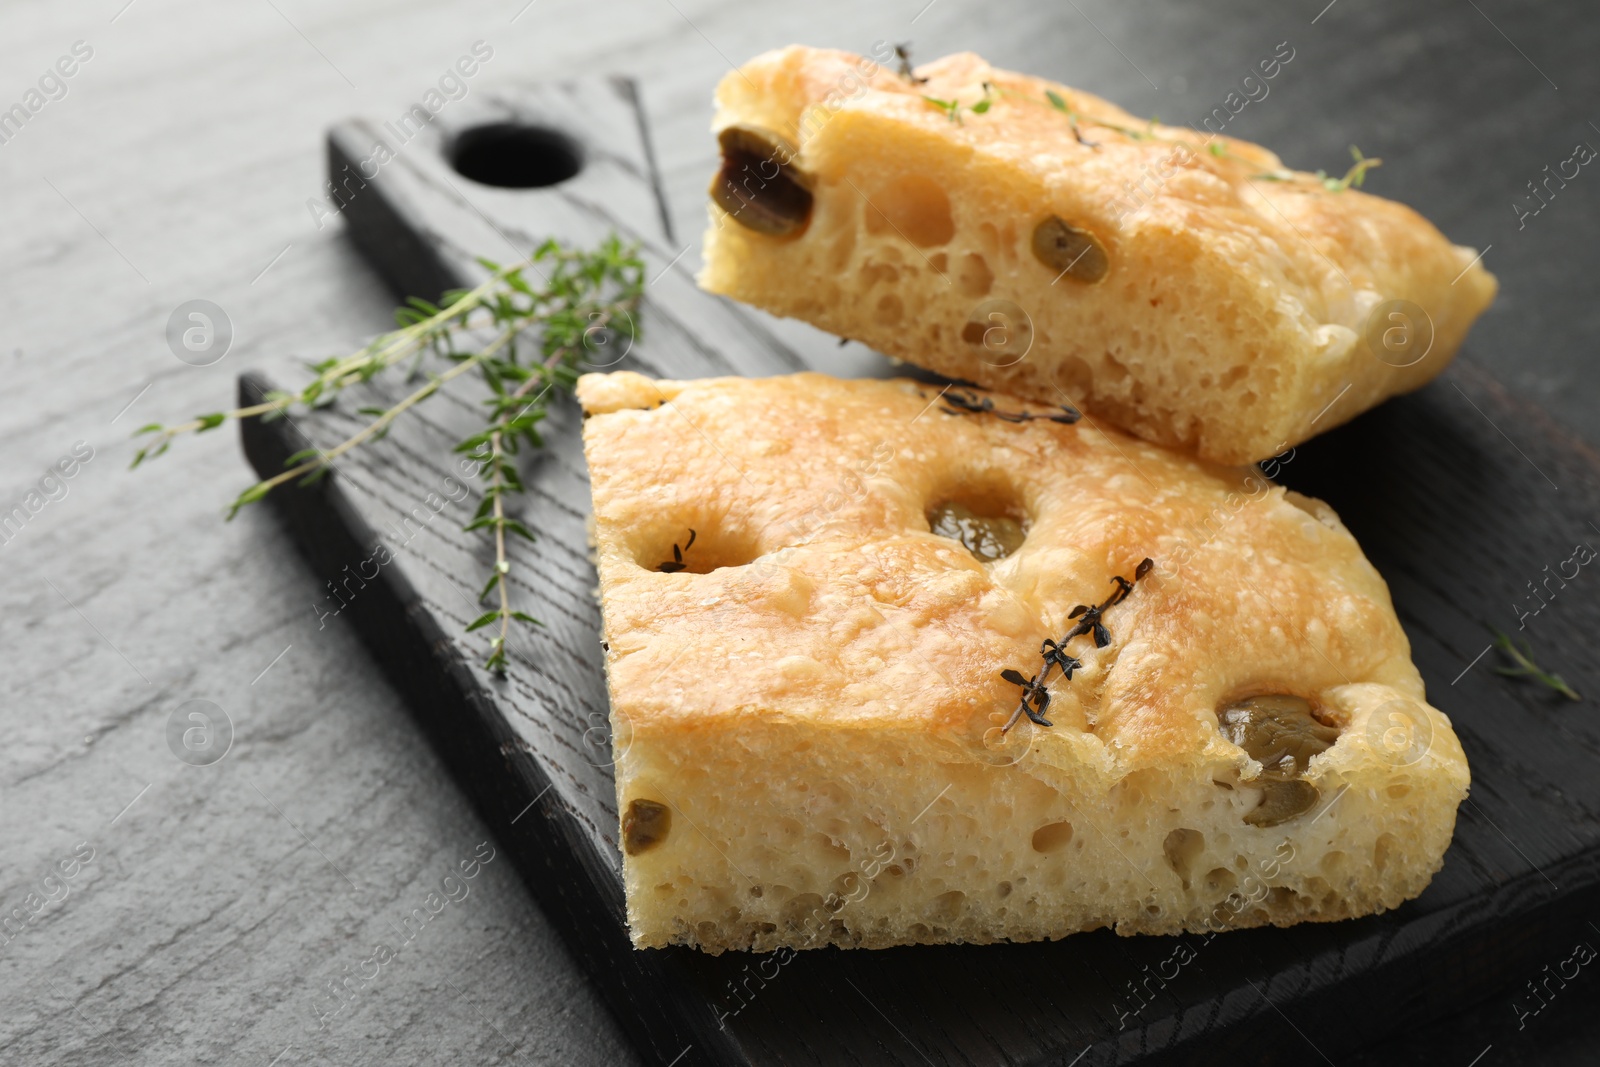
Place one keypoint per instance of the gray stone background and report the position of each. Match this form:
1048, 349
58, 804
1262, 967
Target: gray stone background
219, 901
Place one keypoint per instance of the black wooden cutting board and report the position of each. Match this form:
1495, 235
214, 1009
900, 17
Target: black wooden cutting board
1461, 495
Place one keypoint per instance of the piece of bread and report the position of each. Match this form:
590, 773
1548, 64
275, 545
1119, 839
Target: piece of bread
808, 696
1185, 286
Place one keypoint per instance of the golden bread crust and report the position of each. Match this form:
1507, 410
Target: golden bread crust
1234, 316
822, 646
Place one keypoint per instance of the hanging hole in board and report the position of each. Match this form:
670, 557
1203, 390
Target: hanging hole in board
514, 156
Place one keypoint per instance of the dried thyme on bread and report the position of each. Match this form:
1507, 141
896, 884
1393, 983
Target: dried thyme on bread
1035, 692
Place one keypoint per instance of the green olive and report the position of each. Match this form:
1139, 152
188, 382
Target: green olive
758, 183
1070, 251
644, 826
987, 537
1280, 733
1283, 801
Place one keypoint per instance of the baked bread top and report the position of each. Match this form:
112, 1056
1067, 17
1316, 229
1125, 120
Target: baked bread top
814, 590
1225, 304
824, 600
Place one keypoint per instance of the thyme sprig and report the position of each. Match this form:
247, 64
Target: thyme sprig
960, 403
1035, 691
1353, 178
1077, 118
1222, 151
953, 108
991, 92
1525, 667
538, 332
902, 53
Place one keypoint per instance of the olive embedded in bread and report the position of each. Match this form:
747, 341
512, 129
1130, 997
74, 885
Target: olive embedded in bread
1281, 733
987, 537
645, 825
758, 184
1070, 251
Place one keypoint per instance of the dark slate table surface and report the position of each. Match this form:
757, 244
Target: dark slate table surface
218, 904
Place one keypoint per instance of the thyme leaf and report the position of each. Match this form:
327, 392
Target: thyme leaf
676, 564
953, 108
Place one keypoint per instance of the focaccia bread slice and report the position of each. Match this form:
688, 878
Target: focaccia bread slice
1039, 240
824, 601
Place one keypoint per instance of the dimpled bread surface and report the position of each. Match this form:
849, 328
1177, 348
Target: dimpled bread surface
806, 716
1235, 313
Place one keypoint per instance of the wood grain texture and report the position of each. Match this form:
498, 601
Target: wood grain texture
1448, 513
182, 160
